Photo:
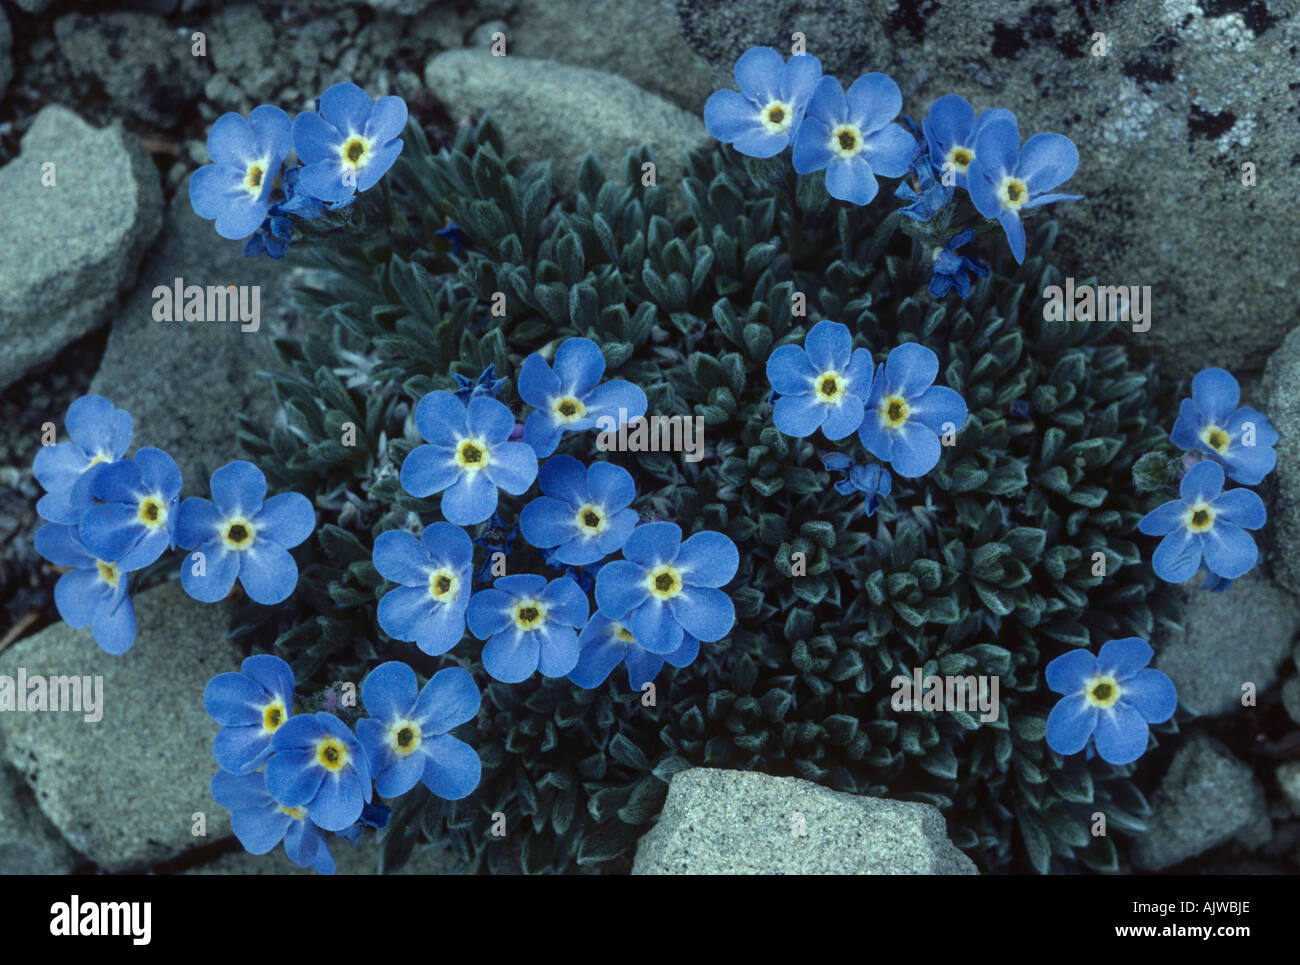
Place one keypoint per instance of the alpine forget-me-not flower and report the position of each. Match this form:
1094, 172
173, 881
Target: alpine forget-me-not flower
821, 385
906, 412
583, 511
1239, 439
235, 190
133, 519
568, 398
529, 625
428, 608
260, 822
317, 763
1109, 700
348, 143
763, 118
93, 593
98, 433
606, 643
1205, 523
250, 706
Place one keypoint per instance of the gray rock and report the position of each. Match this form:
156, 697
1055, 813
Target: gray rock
1207, 797
1186, 93
68, 250
242, 48
1240, 635
143, 65
6, 62
33, 6
29, 844
1288, 779
484, 35
361, 860
554, 111
399, 7
201, 374
639, 41
123, 789
1291, 698
744, 822
1280, 392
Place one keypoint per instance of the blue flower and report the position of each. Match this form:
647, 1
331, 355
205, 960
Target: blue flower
98, 433
529, 625
1109, 699
1240, 439
240, 534
568, 399
950, 268
406, 735
296, 201
428, 609
583, 513
906, 413
349, 145
1005, 178
94, 593
495, 539
250, 706
951, 130
456, 235
1205, 523
272, 238
664, 588
318, 764
247, 154
134, 520
822, 385
374, 816
468, 453
487, 384
260, 823
873, 479
606, 643
764, 117
928, 198
852, 137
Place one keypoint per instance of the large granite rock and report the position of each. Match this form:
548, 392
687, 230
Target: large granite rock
1238, 636
1280, 392
558, 112
123, 789
145, 67
744, 822
1187, 92
639, 41
29, 844
1206, 798
201, 374
69, 249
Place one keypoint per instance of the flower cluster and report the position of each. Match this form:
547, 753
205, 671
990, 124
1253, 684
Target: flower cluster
290, 777
1206, 523
858, 135
653, 606
343, 147
109, 516
899, 414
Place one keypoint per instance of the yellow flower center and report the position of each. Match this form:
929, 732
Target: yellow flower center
567, 409
529, 614
621, 633
404, 737
664, 582
1013, 192
273, 716
237, 534
331, 754
830, 387
1215, 438
893, 411
443, 584
1102, 692
108, 572
777, 117
960, 158
298, 814
846, 141
254, 177
591, 521
472, 454
152, 513
355, 152
1200, 517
